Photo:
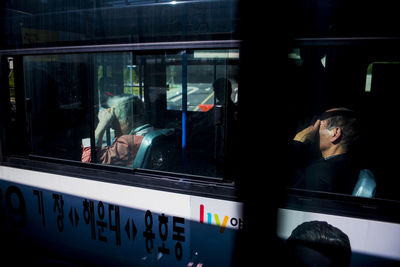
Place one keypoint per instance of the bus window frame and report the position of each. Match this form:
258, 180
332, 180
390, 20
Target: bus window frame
377, 209
163, 180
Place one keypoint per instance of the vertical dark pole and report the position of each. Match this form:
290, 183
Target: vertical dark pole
184, 103
139, 63
93, 101
184, 88
24, 111
4, 103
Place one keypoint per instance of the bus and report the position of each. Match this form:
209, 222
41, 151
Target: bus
171, 198
155, 133
345, 55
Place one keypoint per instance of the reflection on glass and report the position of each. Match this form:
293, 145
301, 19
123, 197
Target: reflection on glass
131, 105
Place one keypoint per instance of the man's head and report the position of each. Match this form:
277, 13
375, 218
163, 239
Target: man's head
338, 130
318, 243
128, 110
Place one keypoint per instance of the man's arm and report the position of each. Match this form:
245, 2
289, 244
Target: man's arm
106, 116
308, 134
300, 154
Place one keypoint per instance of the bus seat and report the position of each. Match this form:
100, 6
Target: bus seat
156, 150
366, 185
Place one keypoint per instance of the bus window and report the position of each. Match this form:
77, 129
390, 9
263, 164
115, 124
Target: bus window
203, 68
381, 109
57, 107
168, 112
326, 126
348, 91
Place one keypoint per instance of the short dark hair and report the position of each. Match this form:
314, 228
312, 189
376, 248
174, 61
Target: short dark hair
318, 241
346, 120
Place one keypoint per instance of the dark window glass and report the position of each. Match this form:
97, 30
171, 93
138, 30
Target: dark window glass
58, 108
164, 111
41, 23
344, 99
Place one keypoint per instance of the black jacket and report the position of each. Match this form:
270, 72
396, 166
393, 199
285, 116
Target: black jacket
337, 174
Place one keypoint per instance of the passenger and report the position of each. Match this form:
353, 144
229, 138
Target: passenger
317, 243
126, 116
335, 169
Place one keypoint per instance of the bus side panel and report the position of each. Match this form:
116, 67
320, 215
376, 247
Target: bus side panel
43, 223
373, 243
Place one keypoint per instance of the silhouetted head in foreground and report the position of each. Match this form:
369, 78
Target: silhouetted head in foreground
317, 243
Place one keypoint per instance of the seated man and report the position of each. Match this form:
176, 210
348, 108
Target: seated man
334, 133
126, 116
